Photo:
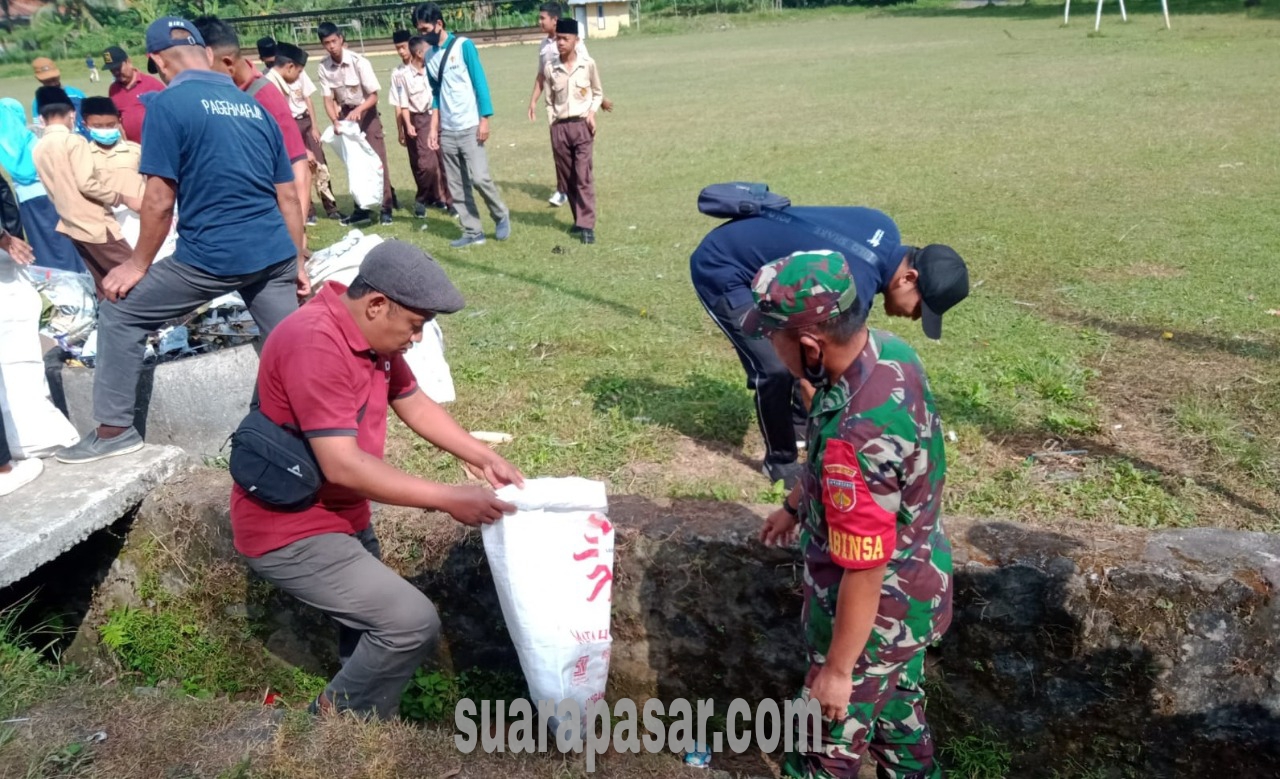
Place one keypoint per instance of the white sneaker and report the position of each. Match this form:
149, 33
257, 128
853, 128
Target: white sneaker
24, 472
558, 199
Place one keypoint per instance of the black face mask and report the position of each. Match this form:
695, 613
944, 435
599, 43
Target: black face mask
432, 38
817, 376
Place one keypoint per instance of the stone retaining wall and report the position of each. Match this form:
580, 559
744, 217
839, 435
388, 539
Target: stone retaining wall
1116, 653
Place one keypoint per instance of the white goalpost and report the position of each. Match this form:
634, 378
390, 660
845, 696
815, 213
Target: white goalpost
1124, 16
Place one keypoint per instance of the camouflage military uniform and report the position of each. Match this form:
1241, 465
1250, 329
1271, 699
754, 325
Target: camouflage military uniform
871, 494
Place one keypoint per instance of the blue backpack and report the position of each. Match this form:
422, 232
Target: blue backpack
743, 199
737, 199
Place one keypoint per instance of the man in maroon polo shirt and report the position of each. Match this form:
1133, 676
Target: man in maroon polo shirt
331, 370
126, 91
224, 45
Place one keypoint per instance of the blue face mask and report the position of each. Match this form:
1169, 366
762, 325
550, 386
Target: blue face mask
105, 137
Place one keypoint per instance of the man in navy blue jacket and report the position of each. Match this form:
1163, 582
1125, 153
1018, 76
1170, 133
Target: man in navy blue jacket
916, 283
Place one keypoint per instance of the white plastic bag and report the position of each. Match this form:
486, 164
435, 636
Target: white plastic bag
426, 359
364, 169
74, 300
33, 426
131, 225
340, 262
552, 563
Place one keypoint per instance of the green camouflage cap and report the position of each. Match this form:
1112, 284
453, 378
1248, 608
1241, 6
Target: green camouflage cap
802, 290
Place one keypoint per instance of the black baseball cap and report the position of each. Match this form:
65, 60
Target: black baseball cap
113, 57
943, 282
410, 277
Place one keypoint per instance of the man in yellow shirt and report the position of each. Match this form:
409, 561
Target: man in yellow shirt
65, 164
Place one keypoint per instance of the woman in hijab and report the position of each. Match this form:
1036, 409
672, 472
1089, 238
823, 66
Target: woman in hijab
39, 218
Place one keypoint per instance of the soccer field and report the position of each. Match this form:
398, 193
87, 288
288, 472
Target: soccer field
1114, 195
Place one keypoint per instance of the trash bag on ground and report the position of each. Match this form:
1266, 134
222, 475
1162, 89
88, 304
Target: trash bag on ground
552, 564
33, 426
340, 262
364, 169
73, 302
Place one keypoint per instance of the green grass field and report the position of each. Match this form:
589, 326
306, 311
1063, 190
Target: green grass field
1114, 195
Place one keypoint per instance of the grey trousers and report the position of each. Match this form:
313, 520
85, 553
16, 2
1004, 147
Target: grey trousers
386, 627
171, 290
466, 166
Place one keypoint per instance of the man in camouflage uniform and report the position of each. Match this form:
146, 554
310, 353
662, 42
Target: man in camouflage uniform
877, 563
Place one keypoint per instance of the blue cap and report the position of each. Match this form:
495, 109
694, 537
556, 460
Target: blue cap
160, 34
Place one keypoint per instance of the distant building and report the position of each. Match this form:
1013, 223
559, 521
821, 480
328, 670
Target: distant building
601, 19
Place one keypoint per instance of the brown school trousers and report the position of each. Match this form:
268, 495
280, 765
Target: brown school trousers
571, 145
317, 150
427, 165
100, 258
371, 126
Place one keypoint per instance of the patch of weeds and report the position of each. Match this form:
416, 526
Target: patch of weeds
25, 676
1119, 490
430, 697
705, 490
1107, 489
205, 659
977, 756
162, 645
1214, 427
306, 685
433, 695
774, 495
217, 462
68, 761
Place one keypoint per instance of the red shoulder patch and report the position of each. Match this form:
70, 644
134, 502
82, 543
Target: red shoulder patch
861, 534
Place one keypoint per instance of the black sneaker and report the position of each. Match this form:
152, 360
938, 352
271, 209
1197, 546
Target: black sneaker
420, 210
336, 216
357, 216
787, 473
386, 217
588, 236
91, 448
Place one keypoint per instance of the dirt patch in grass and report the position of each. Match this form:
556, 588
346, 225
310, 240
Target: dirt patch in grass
89, 730
1153, 398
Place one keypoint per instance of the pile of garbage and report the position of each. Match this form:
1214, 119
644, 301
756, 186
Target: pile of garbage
70, 317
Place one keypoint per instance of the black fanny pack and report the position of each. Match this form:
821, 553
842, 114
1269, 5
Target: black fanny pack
274, 464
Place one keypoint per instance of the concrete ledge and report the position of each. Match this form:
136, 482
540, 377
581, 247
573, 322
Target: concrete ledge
194, 403
69, 502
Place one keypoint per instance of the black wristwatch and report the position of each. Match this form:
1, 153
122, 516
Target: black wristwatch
786, 506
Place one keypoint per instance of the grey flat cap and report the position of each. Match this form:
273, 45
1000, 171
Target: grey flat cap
410, 277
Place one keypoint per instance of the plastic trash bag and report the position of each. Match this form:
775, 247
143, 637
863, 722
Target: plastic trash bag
364, 169
131, 225
341, 261
552, 563
32, 424
75, 303
426, 360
